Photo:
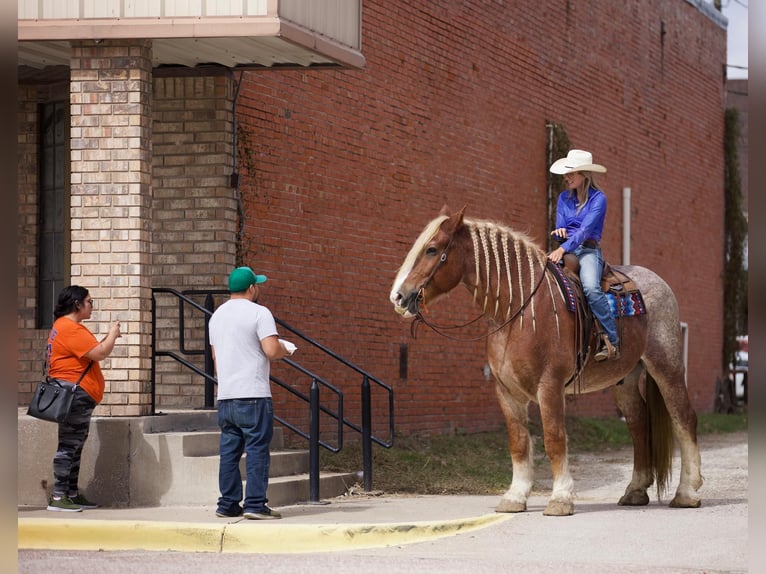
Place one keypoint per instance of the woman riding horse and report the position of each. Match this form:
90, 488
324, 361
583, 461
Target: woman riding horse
580, 214
532, 347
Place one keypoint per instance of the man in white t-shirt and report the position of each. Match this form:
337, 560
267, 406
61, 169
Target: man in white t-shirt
244, 341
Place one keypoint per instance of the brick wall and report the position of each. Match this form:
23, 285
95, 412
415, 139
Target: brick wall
345, 167
194, 214
110, 103
31, 341
342, 168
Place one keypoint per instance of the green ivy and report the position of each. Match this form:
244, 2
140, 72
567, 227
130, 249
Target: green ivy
735, 230
559, 147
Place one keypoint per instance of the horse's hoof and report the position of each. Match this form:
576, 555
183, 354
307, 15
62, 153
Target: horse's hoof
510, 506
634, 498
559, 508
685, 502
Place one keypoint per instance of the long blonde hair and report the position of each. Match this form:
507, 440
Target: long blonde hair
588, 181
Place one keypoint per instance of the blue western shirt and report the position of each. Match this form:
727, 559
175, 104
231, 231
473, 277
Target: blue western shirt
588, 224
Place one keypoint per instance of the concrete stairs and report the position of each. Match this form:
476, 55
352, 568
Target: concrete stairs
164, 460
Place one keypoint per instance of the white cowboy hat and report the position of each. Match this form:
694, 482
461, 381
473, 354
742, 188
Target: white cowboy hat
576, 160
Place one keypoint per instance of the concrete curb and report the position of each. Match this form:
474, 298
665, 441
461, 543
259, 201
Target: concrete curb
271, 537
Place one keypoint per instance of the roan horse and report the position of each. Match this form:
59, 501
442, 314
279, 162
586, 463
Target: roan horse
531, 349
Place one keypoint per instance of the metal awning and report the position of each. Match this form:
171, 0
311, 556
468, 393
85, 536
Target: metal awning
282, 33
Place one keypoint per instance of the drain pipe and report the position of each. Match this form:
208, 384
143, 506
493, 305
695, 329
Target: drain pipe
626, 226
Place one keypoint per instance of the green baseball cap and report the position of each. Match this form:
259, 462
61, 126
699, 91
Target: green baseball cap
242, 277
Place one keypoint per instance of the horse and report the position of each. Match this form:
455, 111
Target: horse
532, 347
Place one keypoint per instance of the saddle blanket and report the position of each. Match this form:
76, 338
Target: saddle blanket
623, 304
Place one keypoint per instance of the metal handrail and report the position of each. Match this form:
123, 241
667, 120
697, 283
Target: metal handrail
365, 429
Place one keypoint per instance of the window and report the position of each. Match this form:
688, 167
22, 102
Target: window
53, 244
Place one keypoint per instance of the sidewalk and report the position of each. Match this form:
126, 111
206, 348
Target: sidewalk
343, 523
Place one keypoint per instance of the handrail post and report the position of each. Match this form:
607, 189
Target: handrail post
366, 434
314, 442
154, 355
209, 365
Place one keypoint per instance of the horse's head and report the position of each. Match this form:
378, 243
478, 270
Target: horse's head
428, 271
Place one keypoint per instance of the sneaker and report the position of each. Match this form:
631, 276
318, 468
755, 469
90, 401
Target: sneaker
265, 513
225, 514
64, 504
86, 504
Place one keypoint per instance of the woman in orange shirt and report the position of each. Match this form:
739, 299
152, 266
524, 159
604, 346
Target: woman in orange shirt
73, 350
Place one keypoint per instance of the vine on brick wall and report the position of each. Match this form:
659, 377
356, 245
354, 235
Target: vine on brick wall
558, 147
735, 229
246, 165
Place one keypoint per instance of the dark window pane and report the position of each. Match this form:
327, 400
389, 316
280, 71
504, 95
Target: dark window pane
54, 207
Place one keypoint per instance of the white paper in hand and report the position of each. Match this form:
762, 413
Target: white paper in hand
289, 346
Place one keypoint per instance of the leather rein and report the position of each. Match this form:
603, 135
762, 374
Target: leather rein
439, 329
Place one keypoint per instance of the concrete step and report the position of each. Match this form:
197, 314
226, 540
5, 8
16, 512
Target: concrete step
156, 461
207, 443
287, 490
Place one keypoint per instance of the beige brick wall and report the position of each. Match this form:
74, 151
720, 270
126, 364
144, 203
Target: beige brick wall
151, 206
194, 215
31, 341
110, 103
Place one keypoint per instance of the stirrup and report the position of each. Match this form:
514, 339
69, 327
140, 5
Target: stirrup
607, 351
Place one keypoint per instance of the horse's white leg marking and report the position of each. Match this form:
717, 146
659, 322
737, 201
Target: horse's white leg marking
691, 479
522, 482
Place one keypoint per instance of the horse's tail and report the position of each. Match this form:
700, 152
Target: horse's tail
660, 436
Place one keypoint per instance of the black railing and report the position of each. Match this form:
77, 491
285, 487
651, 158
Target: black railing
316, 409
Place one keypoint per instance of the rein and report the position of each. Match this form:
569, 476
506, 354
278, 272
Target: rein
439, 329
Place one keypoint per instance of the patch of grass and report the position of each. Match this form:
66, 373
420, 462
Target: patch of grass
711, 423
480, 463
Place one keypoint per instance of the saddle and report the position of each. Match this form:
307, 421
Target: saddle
621, 289
611, 280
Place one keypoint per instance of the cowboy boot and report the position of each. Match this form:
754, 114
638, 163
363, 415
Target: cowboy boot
607, 351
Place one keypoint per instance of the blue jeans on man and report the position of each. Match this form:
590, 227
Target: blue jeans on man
591, 269
247, 426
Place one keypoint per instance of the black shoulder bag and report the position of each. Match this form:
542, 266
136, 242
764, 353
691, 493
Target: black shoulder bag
53, 398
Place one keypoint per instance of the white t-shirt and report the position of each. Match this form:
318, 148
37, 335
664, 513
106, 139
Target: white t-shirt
236, 330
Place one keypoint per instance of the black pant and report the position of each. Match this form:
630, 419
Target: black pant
72, 435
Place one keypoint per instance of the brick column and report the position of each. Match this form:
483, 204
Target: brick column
111, 191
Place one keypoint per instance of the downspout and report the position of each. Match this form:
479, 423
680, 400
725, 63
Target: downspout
626, 226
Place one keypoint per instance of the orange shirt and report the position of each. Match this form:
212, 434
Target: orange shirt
68, 343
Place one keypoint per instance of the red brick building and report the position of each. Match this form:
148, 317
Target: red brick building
339, 168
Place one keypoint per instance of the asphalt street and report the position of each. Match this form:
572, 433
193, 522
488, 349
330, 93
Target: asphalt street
427, 534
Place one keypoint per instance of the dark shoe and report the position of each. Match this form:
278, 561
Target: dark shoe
265, 513
84, 502
228, 514
64, 504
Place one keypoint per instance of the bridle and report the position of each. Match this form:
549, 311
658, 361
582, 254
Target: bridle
439, 329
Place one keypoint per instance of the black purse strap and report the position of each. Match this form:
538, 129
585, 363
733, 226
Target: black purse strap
45, 372
84, 372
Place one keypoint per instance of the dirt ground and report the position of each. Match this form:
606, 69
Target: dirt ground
724, 470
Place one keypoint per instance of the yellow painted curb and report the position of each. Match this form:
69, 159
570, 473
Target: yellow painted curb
296, 538
53, 534
242, 537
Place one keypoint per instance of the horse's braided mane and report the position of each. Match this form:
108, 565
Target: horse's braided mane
493, 240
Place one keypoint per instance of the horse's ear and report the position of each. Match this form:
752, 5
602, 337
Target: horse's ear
455, 221
444, 210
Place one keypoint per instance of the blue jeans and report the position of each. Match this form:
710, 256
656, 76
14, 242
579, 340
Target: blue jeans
247, 425
591, 268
